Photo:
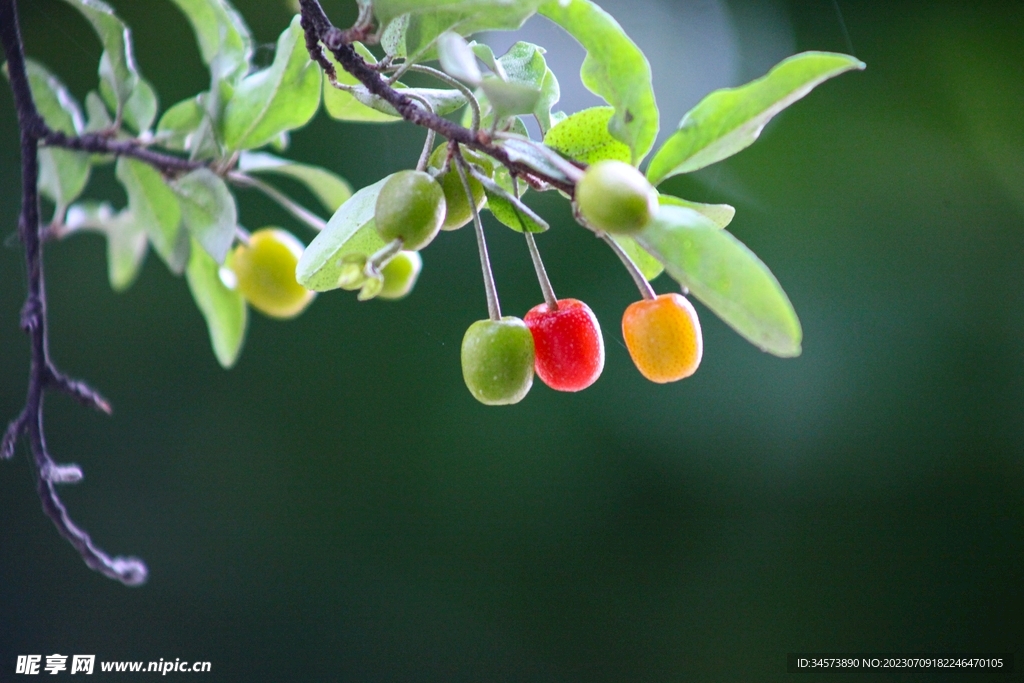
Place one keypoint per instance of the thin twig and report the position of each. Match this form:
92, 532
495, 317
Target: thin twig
319, 30
646, 291
287, 203
493, 305
542, 275
474, 104
43, 374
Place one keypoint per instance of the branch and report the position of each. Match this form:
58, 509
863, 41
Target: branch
43, 374
319, 30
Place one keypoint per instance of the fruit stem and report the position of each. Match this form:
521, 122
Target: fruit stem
542, 275
493, 306
428, 144
646, 291
474, 104
381, 257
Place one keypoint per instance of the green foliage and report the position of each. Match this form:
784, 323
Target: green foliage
342, 105
63, 174
649, 266
349, 234
155, 206
730, 120
224, 40
191, 219
413, 26
223, 307
117, 64
126, 241
208, 211
584, 136
521, 83
282, 97
720, 214
726, 276
330, 189
614, 69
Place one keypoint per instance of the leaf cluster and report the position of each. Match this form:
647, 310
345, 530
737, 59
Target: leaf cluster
190, 220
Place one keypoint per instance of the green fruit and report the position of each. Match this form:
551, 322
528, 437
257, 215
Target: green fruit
615, 197
410, 207
497, 360
400, 274
459, 211
265, 270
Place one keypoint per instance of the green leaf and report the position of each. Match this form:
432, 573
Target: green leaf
457, 58
724, 274
442, 100
511, 215
648, 265
97, 116
584, 137
729, 120
541, 159
485, 54
208, 211
117, 65
350, 232
224, 309
342, 105
140, 109
420, 22
179, 123
550, 93
614, 69
503, 205
393, 37
720, 214
282, 97
126, 241
224, 40
522, 84
63, 174
155, 208
330, 189
509, 98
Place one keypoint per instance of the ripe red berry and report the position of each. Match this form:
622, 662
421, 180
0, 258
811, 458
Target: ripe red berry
568, 345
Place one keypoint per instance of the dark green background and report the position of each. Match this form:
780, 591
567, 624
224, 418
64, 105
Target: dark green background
338, 507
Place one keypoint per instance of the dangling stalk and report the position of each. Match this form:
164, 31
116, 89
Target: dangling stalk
493, 306
542, 274
646, 291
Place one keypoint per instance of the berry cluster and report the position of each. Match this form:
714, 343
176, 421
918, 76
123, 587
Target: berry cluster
559, 340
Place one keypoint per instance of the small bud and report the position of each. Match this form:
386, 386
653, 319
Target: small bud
62, 474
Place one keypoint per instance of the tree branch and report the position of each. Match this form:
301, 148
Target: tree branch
319, 30
43, 374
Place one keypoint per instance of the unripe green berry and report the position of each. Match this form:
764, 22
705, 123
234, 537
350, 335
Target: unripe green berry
497, 360
459, 212
615, 197
410, 207
400, 274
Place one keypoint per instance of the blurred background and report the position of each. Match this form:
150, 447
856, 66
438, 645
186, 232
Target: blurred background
338, 507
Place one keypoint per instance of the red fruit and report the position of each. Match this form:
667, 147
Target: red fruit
568, 344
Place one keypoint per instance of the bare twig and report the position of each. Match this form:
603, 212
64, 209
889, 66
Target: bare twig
43, 374
320, 31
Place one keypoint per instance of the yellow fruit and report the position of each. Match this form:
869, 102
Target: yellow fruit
400, 274
663, 337
265, 269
